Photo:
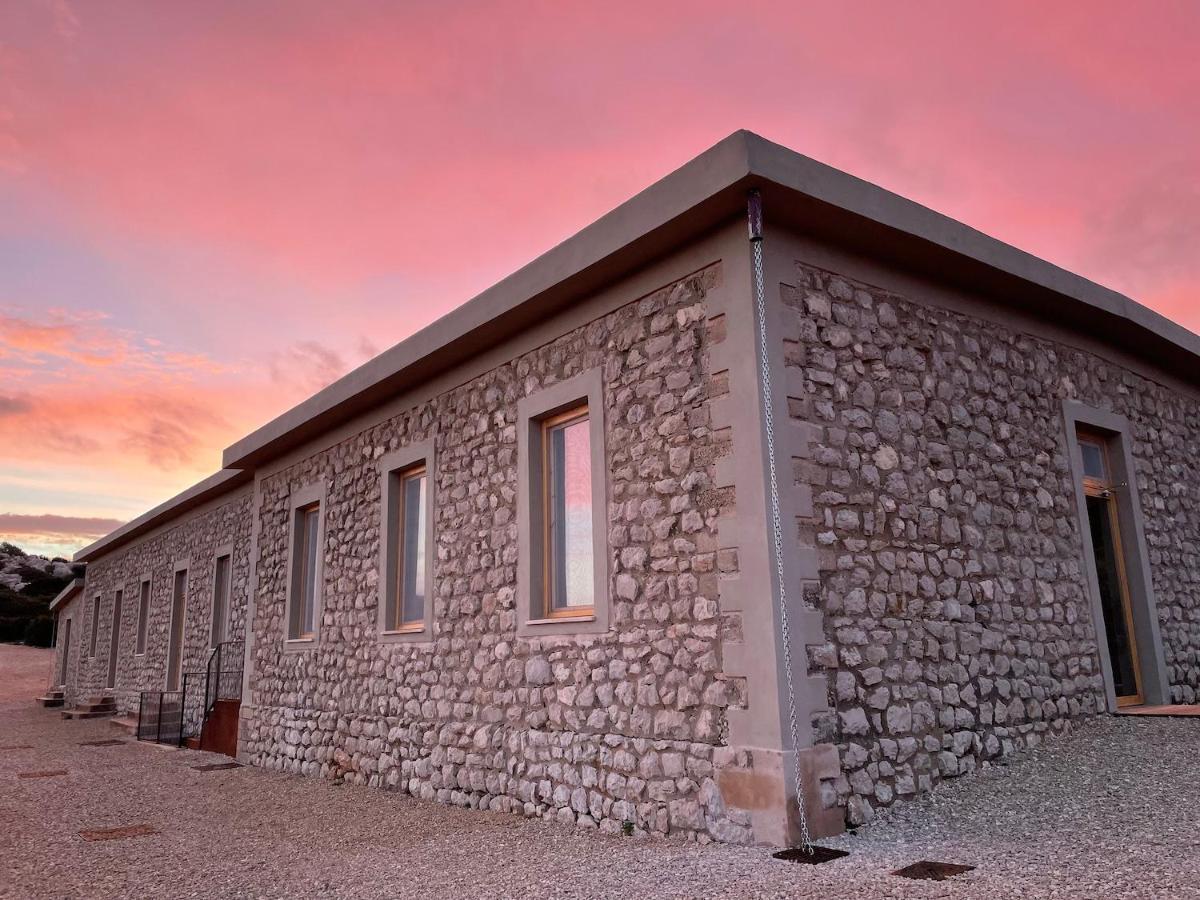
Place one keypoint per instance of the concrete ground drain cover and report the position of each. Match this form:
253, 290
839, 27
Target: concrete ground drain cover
46, 773
926, 870
813, 855
111, 742
214, 767
116, 834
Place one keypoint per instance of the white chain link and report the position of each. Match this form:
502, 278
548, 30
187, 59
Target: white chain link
777, 529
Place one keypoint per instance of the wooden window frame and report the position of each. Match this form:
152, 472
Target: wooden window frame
221, 553
398, 624
95, 627
302, 565
580, 413
307, 497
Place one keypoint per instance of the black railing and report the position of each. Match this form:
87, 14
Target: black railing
160, 717
171, 717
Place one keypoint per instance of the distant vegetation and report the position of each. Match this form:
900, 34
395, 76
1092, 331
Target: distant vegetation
27, 585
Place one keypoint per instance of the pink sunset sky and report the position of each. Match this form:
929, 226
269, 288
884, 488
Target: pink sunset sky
208, 210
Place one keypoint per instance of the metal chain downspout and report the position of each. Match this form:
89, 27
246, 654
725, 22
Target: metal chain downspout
755, 221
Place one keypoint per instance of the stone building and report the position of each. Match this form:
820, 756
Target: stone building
527, 559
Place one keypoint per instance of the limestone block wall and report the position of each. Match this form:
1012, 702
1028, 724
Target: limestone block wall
195, 536
957, 621
625, 726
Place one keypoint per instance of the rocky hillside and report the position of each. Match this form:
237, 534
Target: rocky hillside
27, 585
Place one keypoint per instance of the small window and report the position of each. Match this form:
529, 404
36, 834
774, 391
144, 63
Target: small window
143, 616
220, 605
1095, 463
95, 625
303, 622
567, 548
406, 600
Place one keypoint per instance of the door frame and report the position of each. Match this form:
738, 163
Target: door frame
1130, 538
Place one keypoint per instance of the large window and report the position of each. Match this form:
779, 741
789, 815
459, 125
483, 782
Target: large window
143, 619
302, 624
568, 564
562, 495
222, 575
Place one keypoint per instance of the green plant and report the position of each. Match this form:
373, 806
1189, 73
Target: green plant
627, 828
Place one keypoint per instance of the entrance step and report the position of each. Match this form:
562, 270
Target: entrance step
92, 708
52, 698
128, 724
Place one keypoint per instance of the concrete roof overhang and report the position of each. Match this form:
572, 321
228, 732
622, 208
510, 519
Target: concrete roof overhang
798, 192
201, 492
65, 595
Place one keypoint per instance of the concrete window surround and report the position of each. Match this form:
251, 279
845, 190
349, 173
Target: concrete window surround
1130, 521
391, 466
302, 497
143, 614
95, 629
585, 388
184, 566
225, 550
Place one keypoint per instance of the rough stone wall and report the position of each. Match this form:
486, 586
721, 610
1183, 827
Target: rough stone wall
957, 622
196, 537
602, 730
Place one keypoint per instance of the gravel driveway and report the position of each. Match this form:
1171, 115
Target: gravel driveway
1108, 812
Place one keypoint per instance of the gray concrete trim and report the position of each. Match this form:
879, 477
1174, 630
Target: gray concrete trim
531, 410
64, 596
213, 486
247, 708
223, 550
689, 201
1151, 661
311, 493
417, 453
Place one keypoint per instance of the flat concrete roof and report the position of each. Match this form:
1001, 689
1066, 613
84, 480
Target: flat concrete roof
201, 492
798, 191
73, 588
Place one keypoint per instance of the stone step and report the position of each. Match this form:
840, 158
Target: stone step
50, 700
128, 724
87, 713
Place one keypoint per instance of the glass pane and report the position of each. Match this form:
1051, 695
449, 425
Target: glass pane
220, 596
1108, 575
412, 565
309, 576
1093, 460
570, 526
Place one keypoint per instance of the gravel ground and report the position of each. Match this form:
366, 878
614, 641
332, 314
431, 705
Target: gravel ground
1107, 812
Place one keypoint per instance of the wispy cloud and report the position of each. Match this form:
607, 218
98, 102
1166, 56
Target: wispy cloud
50, 525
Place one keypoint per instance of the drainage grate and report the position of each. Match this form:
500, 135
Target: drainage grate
215, 767
45, 773
927, 870
110, 742
812, 855
116, 834
17, 747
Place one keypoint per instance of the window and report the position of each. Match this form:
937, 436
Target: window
220, 606
302, 622
408, 591
175, 635
143, 616
95, 625
562, 577
567, 560
405, 540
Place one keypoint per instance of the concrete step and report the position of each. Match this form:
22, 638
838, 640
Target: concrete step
128, 724
54, 698
88, 713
